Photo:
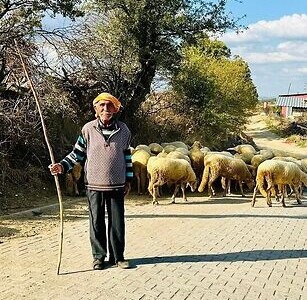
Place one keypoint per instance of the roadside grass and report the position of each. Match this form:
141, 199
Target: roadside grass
282, 127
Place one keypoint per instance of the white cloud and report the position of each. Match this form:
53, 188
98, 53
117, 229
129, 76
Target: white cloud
302, 70
276, 52
290, 27
272, 57
295, 47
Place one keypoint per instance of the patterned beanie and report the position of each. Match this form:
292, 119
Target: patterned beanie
108, 97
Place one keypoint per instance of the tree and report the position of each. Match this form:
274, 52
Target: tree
214, 90
156, 30
20, 136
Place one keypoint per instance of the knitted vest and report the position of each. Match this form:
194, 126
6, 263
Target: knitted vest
105, 167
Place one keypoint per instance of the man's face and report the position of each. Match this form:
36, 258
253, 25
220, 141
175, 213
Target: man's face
105, 110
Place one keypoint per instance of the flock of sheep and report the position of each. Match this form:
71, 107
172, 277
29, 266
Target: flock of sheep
177, 164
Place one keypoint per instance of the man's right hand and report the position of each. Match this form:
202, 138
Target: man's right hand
56, 168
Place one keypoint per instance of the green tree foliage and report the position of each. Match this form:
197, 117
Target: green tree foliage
156, 30
215, 91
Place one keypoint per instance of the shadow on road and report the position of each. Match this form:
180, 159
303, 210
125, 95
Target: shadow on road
192, 216
252, 255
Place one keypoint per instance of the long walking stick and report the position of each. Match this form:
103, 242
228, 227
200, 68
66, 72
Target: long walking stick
56, 178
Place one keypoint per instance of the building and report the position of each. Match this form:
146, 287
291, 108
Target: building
292, 105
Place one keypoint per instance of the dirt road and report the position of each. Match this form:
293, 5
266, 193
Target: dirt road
264, 138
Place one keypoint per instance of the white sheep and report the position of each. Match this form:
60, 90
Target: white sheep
227, 167
169, 148
244, 152
144, 147
267, 153
139, 163
245, 148
155, 148
177, 154
281, 173
170, 170
298, 163
183, 150
258, 159
177, 144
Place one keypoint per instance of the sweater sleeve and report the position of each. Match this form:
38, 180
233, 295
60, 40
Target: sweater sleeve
78, 154
129, 170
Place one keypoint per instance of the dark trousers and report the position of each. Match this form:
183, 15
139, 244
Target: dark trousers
115, 239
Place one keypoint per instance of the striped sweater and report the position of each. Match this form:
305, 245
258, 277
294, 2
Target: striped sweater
107, 155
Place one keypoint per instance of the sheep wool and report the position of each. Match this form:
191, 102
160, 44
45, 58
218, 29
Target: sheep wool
170, 170
281, 173
139, 163
217, 165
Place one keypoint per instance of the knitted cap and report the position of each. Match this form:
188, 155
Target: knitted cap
108, 97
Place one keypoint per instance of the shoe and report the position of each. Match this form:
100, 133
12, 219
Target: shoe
123, 264
111, 262
98, 264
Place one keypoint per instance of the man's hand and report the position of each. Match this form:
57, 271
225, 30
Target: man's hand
56, 169
127, 189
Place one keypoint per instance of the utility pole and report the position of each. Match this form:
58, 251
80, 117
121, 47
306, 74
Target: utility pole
289, 88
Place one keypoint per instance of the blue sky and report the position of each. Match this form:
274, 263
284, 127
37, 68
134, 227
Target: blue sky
274, 45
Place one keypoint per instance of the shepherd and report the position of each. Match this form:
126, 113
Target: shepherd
104, 145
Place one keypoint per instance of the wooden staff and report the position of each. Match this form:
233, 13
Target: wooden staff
56, 178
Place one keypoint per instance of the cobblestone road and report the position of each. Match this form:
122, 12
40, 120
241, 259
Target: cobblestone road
217, 248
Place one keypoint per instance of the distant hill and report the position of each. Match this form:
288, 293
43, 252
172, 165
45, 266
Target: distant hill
267, 99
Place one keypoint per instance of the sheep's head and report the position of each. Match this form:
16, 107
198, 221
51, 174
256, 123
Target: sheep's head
192, 185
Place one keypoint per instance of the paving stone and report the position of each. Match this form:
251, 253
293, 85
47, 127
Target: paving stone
205, 249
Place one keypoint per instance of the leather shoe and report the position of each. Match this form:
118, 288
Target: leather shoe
98, 264
123, 264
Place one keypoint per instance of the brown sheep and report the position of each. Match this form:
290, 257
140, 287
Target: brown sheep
71, 180
227, 167
197, 159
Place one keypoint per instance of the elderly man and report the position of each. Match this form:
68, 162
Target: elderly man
104, 144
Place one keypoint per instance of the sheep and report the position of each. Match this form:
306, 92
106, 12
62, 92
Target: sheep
169, 148
225, 153
197, 159
263, 155
276, 172
139, 163
245, 148
257, 160
299, 163
71, 180
230, 168
177, 154
207, 157
205, 150
246, 157
183, 150
144, 147
172, 154
304, 164
170, 170
177, 144
267, 153
155, 148
244, 152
